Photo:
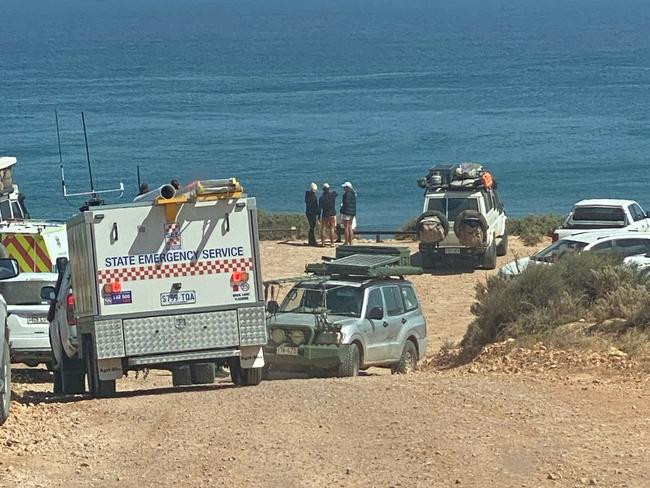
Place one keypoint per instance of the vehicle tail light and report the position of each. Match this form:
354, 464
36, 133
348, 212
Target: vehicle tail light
239, 277
70, 310
555, 237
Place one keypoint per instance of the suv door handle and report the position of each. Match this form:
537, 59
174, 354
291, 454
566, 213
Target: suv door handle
404, 320
385, 324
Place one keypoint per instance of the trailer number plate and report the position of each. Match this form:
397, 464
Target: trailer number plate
179, 298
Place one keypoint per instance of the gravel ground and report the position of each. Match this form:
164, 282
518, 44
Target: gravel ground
483, 428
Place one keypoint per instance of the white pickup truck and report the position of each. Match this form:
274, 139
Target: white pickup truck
603, 213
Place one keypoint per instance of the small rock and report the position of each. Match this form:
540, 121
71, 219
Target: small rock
348, 470
554, 476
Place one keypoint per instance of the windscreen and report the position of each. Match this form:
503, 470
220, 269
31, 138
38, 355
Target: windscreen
601, 214
451, 207
24, 292
559, 249
336, 300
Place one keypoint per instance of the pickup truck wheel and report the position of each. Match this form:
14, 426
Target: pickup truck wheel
408, 361
502, 248
5, 376
202, 373
96, 387
489, 259
350, 364
182, 375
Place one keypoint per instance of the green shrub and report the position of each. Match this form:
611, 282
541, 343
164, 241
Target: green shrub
543, 297
532, 229
278, 226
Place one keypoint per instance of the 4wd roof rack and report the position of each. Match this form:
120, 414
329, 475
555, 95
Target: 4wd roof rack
457, 177
368, 262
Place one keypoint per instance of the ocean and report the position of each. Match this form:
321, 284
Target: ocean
553, 96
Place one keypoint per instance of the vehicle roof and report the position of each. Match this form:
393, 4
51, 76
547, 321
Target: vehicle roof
22, 277
456, 193
604, 202
594, 236
355, 281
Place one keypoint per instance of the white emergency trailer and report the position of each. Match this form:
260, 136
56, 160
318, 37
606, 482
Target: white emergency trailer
171, 283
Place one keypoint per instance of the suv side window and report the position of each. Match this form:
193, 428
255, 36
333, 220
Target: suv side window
630, 247
393, 298
636, 212
604, 246
374, 300
410, 299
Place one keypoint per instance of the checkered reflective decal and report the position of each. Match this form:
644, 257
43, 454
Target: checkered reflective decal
172, 270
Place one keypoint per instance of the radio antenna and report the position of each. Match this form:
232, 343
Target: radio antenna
90, 168
58, 141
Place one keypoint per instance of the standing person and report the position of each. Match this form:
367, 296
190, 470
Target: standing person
327, 208
348, 211
312, 210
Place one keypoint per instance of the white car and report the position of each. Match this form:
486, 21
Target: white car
8, 269
604, 213
27, 320
621, 242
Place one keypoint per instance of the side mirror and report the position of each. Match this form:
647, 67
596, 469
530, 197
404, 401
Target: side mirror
8, 268
272, 307
48, 293
376, 313
61, 263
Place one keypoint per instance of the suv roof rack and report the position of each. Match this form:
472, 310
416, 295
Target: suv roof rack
367, 262
457, 177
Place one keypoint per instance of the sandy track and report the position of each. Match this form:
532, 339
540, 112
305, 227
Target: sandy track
425, 429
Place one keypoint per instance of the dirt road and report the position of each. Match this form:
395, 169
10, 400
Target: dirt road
426, 429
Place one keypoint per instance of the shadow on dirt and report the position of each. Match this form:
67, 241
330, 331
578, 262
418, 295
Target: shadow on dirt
30, 376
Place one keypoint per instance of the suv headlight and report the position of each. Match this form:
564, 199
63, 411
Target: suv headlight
297, 337
328, 337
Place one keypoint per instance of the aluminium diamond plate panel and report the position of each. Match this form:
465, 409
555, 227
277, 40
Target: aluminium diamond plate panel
109, 339
252, 326
175, 333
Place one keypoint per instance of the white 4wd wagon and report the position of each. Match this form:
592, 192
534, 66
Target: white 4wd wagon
463, 216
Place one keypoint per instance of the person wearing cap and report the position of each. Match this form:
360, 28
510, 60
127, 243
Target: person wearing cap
327, 218
312, 211
348, 211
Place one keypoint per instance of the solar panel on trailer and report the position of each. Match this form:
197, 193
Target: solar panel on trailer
366, 260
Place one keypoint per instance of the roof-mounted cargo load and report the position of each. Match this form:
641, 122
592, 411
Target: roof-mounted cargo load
368, 262
458, 177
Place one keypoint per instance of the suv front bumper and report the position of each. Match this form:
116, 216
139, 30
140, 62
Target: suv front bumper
309, 356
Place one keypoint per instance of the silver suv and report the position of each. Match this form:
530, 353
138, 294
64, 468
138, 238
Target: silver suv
463, 216
346, 324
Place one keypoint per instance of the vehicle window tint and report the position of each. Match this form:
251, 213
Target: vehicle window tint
394, 305
458, 205
438, 205
630, 247
497, 200
489, 204
17, 211
410, 299
602, 247
5, 210
374, 300
24, 292
602, 214
637, 213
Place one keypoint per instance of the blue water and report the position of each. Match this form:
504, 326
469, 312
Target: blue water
553, 95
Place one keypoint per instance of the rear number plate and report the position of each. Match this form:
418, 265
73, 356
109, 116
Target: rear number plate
37, 320
287, 351
179, 298
452, 250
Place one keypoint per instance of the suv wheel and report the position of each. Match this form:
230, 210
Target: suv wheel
350, 364
502, 248
489, 260
5, 376
408, 361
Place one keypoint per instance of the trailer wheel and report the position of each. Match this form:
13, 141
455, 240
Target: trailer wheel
5, 375
202, 373
245, 376
182, 375
96, 387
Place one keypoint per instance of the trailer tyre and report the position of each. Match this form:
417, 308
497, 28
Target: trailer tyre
245, 376
5, 375
202, 373
96, 387
182, 375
